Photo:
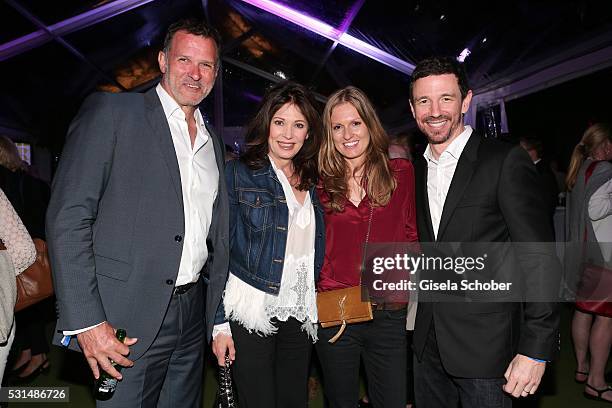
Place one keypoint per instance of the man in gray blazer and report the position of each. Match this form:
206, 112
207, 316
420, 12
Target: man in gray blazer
138, 228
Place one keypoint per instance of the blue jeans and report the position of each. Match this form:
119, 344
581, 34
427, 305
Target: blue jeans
435, 388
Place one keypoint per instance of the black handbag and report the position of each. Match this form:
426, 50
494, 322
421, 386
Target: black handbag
225, 394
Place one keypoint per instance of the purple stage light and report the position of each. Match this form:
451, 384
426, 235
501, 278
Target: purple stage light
327, 31
78, 22
252, 97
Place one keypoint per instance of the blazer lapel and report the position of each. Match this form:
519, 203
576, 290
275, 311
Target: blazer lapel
422, 200
461, 179
219, 148
159, 125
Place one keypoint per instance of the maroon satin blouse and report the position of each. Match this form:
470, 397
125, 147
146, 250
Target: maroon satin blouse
346, 231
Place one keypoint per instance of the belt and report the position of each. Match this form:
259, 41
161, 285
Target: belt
389, 306
180, 290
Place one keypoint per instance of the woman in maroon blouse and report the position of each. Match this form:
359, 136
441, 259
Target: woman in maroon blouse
359, 181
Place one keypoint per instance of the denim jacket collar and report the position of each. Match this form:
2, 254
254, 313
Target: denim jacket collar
267, 170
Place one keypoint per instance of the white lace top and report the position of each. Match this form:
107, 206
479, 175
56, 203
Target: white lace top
253, 308
15, 237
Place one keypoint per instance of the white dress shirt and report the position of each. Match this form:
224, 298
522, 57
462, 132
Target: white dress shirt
440, 174
600, 213
199, 184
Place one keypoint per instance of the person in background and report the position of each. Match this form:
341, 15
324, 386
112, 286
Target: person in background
367, 198
137, 210
401, 146
560, 175
589, 219
548, 181
230, 153
30, 198
17, 252
276, 250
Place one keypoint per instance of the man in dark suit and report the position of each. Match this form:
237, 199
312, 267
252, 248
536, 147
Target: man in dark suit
138, 208
548, 182
470, 189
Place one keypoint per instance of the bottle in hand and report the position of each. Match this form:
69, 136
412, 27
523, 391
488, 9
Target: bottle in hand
105, 385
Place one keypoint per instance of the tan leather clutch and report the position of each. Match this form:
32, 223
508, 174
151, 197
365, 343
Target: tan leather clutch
342, 306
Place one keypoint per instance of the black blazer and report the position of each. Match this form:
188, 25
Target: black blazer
550, 189
493, 197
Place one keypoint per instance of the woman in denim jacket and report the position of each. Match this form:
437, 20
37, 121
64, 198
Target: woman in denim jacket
276, 252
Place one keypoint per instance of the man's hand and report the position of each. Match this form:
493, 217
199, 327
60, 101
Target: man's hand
100, 345
523, 376
222, 344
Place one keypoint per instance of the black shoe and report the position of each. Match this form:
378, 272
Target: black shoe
19, 369
599, 396
44, 366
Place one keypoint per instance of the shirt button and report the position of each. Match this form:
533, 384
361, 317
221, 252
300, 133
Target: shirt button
178, 238
169, 282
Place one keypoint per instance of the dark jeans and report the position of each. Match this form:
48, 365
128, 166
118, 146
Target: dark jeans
272, 371
435, 388
382, 345
410, 371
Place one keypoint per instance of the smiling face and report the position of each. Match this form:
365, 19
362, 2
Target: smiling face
288, 131
437, 107
189, 68
350, 134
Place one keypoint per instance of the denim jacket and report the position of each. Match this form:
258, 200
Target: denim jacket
258, 228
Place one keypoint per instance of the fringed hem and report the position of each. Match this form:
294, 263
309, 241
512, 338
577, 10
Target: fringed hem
244, 304
261, 328
311, 330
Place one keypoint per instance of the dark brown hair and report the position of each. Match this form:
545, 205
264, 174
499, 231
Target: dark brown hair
195, 27
258, 131
9, 155
440, 66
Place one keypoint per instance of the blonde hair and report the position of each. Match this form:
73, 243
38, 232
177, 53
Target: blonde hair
594, 136
9, 155
378, 179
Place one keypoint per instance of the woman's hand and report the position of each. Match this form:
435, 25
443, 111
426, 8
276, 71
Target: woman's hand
221, 345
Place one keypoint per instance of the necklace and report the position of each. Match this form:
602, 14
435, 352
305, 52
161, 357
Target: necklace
360, 192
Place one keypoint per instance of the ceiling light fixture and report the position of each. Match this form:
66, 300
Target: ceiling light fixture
464, 54
327, 31
70, 25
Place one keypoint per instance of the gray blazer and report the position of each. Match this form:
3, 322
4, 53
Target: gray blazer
115, 221
577, 222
